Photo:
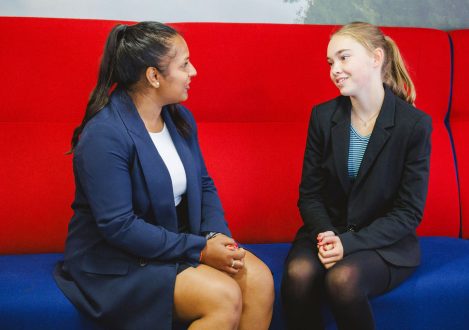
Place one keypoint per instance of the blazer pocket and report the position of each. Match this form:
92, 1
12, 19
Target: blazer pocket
94, 264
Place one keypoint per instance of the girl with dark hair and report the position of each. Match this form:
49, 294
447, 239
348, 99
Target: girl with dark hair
148, 246
363, 186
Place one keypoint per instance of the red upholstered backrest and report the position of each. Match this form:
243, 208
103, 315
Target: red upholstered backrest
260, 81
459, 119
252, 98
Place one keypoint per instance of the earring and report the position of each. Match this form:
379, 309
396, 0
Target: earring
157, 84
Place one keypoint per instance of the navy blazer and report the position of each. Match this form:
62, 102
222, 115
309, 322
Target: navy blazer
123, 245
382, 207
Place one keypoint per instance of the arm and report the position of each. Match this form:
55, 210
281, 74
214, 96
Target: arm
102, 164
408, 206
310, 203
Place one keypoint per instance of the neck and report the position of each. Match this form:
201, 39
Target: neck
368, 104
149, 110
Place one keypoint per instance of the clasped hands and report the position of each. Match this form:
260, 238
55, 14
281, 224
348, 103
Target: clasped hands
222, 253
330, 249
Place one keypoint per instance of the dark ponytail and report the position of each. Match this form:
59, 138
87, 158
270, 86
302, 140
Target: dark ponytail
129, 51
106, 79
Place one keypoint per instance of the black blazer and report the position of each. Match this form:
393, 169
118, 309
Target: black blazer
381, 209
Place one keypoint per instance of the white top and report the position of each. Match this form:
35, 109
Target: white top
165, 146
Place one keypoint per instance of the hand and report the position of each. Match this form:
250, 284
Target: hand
324, 234
321, 236
221, 253
330, 250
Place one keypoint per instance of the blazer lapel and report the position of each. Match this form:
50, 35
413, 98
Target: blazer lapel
379, 136
340, 135
187, 159
154, 169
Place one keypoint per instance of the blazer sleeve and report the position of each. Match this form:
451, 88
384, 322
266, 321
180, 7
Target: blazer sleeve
407, 210
102, 166
213, 215
310, 203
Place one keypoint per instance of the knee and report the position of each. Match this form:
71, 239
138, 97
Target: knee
342, 286
229, 302
299, 271
262, 285
299, 276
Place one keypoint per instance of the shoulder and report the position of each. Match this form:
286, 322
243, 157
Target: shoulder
324, 112
410, 117
105, 130
336, 102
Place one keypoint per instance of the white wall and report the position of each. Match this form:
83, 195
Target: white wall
265, 11
441, 14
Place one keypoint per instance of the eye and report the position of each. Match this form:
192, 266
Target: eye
330, 63
344, 57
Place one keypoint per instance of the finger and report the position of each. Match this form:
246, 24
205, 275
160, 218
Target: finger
329, 254
225, 240
329, 265
238, 254
232, 246
329, 240
230, 270
321, 259
238, 264
324, 234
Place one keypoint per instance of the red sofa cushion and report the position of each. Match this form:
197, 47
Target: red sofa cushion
252, 98
459, 119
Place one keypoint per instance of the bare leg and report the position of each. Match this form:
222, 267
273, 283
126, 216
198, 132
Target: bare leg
209, 298
257, 287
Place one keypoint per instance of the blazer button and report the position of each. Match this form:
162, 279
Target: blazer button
352, 228
142, 262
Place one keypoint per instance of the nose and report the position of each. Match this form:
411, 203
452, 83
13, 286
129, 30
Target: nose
335, 68
192, 71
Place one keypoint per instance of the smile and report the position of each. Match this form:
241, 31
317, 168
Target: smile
340, 81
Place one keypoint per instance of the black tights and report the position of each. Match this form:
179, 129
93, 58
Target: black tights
346, 286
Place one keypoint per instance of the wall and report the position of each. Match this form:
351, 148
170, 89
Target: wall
446, 15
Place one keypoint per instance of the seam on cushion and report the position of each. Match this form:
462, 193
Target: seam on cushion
448, 128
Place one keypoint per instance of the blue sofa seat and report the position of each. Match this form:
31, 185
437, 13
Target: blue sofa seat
435, 297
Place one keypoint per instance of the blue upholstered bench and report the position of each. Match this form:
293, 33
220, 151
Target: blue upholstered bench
435, 297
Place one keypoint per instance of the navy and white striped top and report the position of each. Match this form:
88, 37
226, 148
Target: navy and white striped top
356, 151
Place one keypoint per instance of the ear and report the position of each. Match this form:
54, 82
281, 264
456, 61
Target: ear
153, 77
378, 57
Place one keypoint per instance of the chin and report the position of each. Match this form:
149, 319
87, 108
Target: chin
344, 92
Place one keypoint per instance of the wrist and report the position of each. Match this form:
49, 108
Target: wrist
211, 235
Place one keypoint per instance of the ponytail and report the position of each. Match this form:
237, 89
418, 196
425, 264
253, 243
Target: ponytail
393, 72
396, 75
106, 79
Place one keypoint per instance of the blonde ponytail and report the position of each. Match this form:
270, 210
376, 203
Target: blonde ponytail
395, 74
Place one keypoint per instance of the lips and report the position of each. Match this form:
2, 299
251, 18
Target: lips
340, 81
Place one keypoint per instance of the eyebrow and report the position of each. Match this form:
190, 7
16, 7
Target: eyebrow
339, 52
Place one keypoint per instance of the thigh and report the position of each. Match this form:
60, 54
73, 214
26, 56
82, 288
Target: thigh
366, 270
255, 277
202, 289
